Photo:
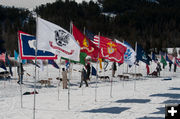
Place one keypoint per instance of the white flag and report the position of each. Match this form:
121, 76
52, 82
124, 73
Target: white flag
53, 38
129, 55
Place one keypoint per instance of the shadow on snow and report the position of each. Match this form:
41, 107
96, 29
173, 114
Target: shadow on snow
170, 95
111, 110
133, 101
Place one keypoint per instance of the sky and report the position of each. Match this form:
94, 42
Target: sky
30, 4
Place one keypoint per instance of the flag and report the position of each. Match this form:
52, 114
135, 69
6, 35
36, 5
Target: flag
16, 55
53, 38
82, 58
106, 62
2, 57
53, 63
177, 61
154, 57
111, 50
7, 62
94, 72
32, 62
2, 65
167, 59
142, 55
100, 63
27, 46
67, 64
86, 45
93, 38
40, 62
147, 67
163, 61
129, 55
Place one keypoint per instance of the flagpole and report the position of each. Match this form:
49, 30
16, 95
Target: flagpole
34, 106
135, 68
59, 77
20, 74
97, 69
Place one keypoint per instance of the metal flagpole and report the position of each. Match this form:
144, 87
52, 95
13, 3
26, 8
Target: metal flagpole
20, 74
97, 69
135, 67
59, 77
34, 106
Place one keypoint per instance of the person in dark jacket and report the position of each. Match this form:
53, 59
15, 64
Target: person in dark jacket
158, 68
114, 68
83, 78
88, 67
20, 71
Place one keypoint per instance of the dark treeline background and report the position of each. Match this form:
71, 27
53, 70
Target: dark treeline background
151, 24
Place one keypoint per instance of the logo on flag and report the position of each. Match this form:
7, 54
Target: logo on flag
27, 45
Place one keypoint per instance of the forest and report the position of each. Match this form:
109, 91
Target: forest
152, 24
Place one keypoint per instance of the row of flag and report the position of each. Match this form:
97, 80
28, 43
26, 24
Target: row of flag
52, 40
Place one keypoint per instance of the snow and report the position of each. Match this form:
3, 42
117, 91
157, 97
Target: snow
142, 98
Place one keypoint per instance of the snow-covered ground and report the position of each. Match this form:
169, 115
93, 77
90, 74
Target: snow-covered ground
144, 98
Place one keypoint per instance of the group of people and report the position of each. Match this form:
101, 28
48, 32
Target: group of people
85, 75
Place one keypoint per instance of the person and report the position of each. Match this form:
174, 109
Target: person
114, 68
20, 71
158, 68
88, 67
83, 78
64, 78
175, 67
170, 64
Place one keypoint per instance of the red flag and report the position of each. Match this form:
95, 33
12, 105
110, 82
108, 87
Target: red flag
111, 50
177, 61
147, 67
86, 45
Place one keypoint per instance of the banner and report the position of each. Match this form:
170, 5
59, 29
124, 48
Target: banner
27, 46
53, 38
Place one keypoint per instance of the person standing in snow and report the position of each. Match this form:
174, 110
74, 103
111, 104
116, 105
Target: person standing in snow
83, 78
64, 78
114, 68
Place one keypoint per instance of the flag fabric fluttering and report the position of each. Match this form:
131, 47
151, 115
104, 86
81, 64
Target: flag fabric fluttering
27, 46
16, 57
167, 59
82, 58
154, 58
142, 55
93, 38
111, 50
7, 62
32, 62
53, 38
163, 61
94, 72
87, 46
177, 61
53, 63
129, 55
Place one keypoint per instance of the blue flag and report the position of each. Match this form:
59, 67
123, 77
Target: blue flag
142, 55
167, 59
94, 72
53, 63
154, 57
